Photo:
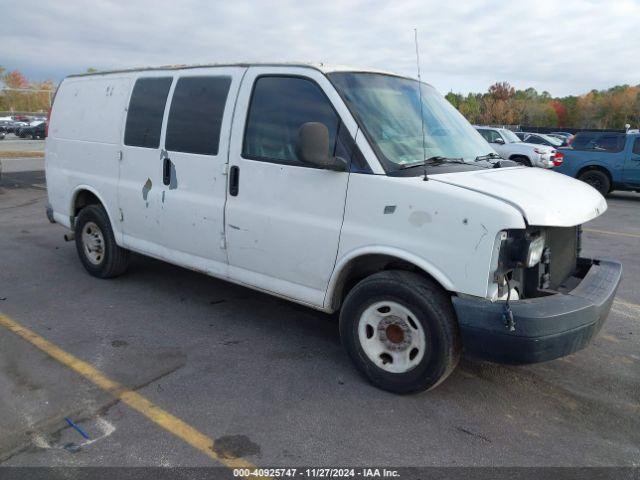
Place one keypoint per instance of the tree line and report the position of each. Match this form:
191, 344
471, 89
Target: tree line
18, 94
502, 104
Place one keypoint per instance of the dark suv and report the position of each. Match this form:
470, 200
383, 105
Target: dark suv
35, 131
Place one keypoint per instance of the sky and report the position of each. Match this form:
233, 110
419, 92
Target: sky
563, 47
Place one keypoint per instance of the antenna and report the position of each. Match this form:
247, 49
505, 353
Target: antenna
424, 147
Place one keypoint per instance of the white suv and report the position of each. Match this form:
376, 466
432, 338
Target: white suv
510, 147
337, 189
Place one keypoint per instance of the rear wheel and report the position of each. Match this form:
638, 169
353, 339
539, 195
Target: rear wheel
400, 330
96, 245
598, 180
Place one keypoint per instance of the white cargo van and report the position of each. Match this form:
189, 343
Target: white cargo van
341, 189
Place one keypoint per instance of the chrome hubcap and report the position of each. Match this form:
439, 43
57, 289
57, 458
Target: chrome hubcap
391, 337
93, 243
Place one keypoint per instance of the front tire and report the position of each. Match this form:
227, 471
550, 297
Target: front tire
400, 330
96, 244
598, 180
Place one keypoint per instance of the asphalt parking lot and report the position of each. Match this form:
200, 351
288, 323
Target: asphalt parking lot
265, 381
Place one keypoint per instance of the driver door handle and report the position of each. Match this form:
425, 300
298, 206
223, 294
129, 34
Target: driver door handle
166, 171
234, 180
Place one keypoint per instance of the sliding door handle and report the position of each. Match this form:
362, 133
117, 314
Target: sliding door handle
166, 171
234, 179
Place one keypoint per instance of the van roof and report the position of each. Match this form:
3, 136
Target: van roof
323, 67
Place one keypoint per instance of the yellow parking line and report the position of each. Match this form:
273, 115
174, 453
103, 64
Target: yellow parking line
153, 412
607, 232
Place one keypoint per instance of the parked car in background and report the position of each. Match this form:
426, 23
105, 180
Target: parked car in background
34, 131
5, 125
564, 136
17, 126
605, 160
541, 139
521, 135
510, 147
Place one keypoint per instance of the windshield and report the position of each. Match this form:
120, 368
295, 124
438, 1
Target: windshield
509, 136
388, 110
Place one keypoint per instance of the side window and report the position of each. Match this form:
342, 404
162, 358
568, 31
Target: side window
279, 107
146, 109
492, 135
196, 113
534, 139
636, 146
486, 134
602, 142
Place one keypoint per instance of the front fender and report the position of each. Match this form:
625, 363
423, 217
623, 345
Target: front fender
343, 263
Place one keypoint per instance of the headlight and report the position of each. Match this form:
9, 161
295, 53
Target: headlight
534, 252
526, 249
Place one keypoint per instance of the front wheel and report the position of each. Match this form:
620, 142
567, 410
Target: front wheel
598, 180
96, 245
400, 330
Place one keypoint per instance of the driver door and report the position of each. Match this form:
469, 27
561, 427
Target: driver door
283, 218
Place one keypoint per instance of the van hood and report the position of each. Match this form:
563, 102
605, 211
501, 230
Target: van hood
544, 198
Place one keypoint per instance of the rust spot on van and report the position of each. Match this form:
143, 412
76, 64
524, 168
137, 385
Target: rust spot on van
173, 183
146, 188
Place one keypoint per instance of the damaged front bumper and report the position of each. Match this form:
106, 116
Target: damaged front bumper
546, 327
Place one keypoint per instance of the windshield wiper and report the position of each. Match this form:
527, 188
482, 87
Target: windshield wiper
437, 160
488, 156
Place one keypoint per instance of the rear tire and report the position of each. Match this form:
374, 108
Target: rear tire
598, 180
401, 331
96, 244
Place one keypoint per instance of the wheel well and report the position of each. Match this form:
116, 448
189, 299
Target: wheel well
361, 267
596, 167
82, 199
524, 157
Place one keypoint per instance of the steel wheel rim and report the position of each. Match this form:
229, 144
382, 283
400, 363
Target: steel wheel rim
93, 243
391, 337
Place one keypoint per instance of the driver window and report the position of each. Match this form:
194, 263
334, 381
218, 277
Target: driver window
279, 107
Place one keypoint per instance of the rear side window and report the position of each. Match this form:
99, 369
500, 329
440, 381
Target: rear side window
196, 113
146, 109
599, 141
279, 107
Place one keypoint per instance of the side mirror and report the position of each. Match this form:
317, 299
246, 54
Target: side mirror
313, 147
499, 141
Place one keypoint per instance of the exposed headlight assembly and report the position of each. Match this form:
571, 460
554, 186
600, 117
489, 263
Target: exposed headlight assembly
527, 250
